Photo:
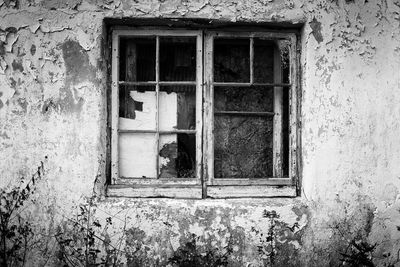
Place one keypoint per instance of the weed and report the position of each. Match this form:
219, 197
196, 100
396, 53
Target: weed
358, 253
83, 241
15, 231
268, 242
189, 255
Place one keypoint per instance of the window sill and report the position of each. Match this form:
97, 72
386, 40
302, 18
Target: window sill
195, 192
155, 191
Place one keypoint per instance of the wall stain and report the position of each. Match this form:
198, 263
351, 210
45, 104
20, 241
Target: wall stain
33, 49
17, 65
78, 68
2, 48
316, 30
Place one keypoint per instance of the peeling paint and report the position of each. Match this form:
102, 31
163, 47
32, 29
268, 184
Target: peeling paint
56, 4
17, 65
54, 75
316, 30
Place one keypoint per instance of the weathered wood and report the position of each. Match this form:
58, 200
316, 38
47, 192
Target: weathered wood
114, 107
299, 170
233, 84
251, 191
154, 191
152, 83
161, 132
266, 35
155, 32
157, 105
153, 180
278, 110
199, 106
253, 181
294, 115
208, 147
251, 60
220, 84
245, 113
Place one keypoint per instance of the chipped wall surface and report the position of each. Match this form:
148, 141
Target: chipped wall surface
53, 102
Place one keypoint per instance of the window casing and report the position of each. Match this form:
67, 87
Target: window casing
225, 119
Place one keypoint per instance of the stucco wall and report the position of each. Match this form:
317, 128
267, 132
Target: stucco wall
53, 102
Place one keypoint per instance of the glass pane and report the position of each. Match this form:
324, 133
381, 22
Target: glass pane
177, 107
177, 156
137, 155
177, 59
263, 61
137, 59
137, 107
231, 60
255, 98
243, 147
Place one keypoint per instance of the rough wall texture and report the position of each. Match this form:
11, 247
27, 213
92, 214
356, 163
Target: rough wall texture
53, 83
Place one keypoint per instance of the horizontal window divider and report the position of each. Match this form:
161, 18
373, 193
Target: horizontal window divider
160, 132
125, 31
233, 84
152, 83
173, 181
255, 181
154, 185
266, 35
250, 191
245, 113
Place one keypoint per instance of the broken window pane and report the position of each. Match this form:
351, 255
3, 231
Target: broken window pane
178, 58
254, 99
243, 146
177, 156
284, 49
231, 60
137, 107
177, 107
137, 155
137, 59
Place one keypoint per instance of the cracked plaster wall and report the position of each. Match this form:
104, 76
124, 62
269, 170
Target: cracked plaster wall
53, 102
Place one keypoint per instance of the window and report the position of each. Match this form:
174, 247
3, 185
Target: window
198, 114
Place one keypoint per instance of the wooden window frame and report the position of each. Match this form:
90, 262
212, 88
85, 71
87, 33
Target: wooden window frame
205, 185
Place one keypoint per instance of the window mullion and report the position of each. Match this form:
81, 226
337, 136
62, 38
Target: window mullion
251, 60
278, 110
208, 111
157, 105
115, 109
199, 108
294, 112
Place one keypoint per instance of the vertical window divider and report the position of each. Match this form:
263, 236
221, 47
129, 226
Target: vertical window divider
157, 105
199, 107
115, 108
278, 110
208, 147
293, 114
251, 60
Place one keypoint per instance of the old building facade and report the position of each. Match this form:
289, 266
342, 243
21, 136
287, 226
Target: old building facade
58, 78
